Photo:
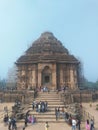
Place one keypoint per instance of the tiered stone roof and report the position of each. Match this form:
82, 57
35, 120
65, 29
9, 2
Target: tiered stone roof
47, 49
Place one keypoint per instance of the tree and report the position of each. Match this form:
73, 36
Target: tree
83, 82
96, 84
81, 78
12, 77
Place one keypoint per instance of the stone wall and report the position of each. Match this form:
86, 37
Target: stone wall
12, 96
78, 96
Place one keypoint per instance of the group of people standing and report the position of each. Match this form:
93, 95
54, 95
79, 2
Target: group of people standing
61, 112
40, 106
11, 122
76, 124
89, 124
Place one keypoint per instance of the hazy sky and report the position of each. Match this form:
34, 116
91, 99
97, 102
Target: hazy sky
73, 22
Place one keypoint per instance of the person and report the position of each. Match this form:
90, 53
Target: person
62, 112
56, 113
6, 117
30, 119
25, 121
78, 124
6, 110
46, 105
33, 105
44, 89
33, 119
46, 126
74, 124
13, 122
70, 120
87, 125
9, 123
91, 124
66, 116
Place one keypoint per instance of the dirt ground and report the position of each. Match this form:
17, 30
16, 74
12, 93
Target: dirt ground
92, 110
56, 126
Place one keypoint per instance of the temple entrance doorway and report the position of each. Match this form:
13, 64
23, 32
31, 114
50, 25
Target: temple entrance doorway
46, 77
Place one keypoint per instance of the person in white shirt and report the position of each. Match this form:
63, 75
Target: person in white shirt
74, 124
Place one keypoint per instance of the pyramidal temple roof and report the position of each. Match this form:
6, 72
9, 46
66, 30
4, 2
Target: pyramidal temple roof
47, 48
47, 43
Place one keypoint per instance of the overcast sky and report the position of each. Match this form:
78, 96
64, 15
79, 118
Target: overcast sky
73, 22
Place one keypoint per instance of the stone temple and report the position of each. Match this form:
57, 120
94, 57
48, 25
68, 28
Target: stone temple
47, 63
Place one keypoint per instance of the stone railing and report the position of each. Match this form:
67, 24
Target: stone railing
12, 96
87, 115
78, 96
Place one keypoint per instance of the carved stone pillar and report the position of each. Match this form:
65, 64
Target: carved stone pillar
54, 80
39, 75
33, 76
61, 76
72, 77
75, 77
68, 76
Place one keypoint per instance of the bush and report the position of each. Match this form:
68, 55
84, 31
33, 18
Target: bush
96, 108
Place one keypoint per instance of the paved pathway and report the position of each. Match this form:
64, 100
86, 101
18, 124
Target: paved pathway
40, 126
92, 110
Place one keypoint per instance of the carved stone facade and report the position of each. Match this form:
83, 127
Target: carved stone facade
47, 63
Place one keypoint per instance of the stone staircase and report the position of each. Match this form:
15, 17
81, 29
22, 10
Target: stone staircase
53, 101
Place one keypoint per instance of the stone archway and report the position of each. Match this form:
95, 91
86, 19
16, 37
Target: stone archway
46, 77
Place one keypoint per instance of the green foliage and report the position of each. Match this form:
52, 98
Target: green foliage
90, 85
96, 108
96, 84
96, 105
2, 83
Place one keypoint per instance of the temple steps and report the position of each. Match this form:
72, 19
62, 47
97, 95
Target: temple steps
44, 120
53, 101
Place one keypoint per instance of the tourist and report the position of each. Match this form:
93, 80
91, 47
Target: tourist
33, 105
34, 102
66, 116
42, 107
91, 124
9, 123
56, 113
33, 119
13, 122
26, 121
44, 89
74, 124
46, 126
39, 107
6, 109
62, 112
78, 124
46, 105
40, 88
70, 120
87, 125
30, 119
5, 119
